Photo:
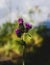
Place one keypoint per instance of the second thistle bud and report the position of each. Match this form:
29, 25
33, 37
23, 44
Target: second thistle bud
21, 24
20, 21
18, 33
27, 27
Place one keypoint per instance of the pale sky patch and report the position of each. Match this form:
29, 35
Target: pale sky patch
2, 3
24, 6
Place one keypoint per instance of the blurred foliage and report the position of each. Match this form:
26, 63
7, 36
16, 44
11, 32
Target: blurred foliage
10, 41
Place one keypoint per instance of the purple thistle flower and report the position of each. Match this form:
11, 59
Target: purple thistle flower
28, 26
17, 31
20, 21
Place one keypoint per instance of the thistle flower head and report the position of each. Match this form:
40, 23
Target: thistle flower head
17, 31
20, 21
28, 26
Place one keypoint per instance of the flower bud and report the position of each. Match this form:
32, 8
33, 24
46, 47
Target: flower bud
18, 32
27, 26
20, 21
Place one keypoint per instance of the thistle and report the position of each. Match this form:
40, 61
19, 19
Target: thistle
27, 27
20, 21
18, 32
23, 27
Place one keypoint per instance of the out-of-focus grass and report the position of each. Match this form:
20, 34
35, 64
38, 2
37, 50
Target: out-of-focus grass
8, 39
